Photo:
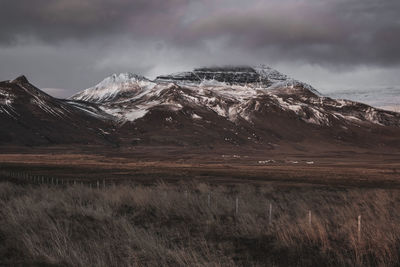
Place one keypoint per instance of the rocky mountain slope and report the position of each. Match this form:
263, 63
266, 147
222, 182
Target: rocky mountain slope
29, 116
235, 105
229, 92
216, 106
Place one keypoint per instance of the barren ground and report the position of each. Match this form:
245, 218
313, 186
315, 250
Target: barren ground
151, 164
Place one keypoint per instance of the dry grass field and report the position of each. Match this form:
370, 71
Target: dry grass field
197, 224
163, 208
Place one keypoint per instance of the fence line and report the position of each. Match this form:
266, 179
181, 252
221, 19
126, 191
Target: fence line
27, 178
55, 181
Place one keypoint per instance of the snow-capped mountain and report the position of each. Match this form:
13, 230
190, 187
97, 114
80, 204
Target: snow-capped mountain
230, 92
124, 85
259, 77
221, 106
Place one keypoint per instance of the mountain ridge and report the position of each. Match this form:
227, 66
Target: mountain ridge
230, 82
30, 116
218, 106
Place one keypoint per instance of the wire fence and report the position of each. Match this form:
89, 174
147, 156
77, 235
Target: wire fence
52, 181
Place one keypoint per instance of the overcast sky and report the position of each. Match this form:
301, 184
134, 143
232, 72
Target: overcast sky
69, 45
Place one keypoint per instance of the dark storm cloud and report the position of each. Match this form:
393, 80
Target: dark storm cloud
57, 20
75, 43
322, 32
340, 32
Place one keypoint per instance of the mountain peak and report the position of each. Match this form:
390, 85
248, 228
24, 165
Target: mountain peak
123, 78
116, 86
20, 79
240, 75
260, 76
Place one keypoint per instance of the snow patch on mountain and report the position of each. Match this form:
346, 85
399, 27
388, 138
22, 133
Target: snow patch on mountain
270, 73
120, 79
6, 99
6, 104
90, 110
196, 117
114, 87
126, 114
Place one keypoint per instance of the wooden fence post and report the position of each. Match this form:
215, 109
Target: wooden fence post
270, 213
359, 228
309, 218
237, 206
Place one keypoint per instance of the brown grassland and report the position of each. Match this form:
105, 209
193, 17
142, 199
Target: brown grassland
181, 213
195, 224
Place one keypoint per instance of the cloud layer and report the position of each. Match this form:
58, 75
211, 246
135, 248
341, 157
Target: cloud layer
102, 36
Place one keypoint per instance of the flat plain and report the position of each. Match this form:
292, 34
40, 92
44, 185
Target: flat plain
169, 206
